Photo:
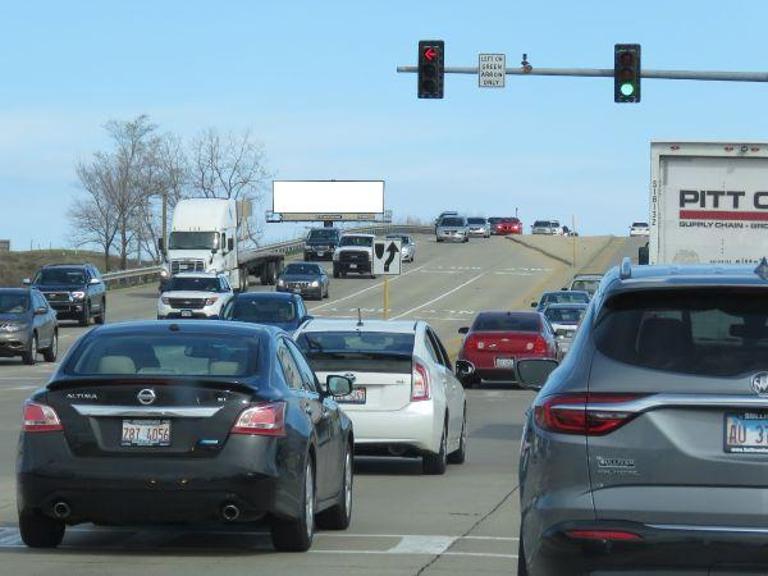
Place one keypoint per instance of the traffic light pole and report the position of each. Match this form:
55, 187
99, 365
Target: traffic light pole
705, 75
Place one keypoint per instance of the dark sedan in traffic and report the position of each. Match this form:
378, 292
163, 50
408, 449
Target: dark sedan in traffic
305, 278
201, 421
284, 310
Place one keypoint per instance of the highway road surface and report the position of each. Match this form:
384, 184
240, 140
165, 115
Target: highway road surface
404, 523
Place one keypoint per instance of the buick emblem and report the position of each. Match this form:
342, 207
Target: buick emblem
146, 396
760, 383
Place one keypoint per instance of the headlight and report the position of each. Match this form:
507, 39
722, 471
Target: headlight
165, 300
315, 283
281, 282
164, 273
14, 327
78, 295
211, 301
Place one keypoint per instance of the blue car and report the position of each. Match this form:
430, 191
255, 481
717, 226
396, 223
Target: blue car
282, 309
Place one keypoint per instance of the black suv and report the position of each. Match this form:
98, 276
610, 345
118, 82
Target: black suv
321, 242
75, 291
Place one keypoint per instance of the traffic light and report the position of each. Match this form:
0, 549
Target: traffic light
431, 68
626, 73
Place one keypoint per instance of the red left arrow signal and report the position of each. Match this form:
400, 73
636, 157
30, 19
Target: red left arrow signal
430, 54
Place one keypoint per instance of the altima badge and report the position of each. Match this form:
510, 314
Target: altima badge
146, 396
760, 383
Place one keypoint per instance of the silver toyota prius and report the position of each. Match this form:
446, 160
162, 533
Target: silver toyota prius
646, 451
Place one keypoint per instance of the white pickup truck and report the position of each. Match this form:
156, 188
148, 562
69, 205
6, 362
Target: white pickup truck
354, 255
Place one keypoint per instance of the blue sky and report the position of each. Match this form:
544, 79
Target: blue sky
316, 83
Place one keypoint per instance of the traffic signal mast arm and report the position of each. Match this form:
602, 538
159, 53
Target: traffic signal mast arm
707, 75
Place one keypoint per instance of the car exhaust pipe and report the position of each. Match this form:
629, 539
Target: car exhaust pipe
230, 512
61, 510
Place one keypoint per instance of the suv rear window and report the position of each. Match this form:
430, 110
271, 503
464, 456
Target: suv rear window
388, 352
366, 241
704, 331
452, 221
324, 234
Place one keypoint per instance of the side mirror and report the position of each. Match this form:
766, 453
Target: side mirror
338, 385
230, 244
26, 281
532, 373
161, 245
94, 281
464, 330
534, 304
464, 368
307, 318
41, 311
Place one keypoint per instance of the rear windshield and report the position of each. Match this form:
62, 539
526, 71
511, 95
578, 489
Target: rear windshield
639, 224
264, 311
405, 240
565, 315
166, 354
585, 285
565, 296
356, 241
13, 302
476, 220
60, 276
452, 222
302, 269
193, 284
506, 323
358, 351
710, 332
542, 224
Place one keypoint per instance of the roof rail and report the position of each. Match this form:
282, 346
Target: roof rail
625, 269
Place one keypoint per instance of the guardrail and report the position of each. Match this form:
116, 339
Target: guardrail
289, 248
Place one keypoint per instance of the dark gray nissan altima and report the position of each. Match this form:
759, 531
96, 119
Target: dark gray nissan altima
200, 421
646, 451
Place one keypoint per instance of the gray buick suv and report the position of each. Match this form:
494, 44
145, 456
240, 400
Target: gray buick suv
646, 451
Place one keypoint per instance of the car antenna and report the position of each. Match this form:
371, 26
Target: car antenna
359, 318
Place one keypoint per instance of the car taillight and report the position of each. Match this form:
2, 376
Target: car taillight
266, 419
41, 418
420, 383
540, 346
588, 414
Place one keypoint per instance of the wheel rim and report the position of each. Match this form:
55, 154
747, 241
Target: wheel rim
34, 348
464, 432
309, 504
55, 345
444, 446
348, 484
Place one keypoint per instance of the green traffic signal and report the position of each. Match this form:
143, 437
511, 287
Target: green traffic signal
626, 73
627, 89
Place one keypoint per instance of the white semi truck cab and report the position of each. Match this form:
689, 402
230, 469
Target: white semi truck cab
210, 235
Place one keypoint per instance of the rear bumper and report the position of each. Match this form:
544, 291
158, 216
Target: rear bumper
155, 489
354, 267
660, 549
311, 253
417, 427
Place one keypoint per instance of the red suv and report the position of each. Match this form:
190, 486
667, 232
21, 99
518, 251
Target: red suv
497, 340
505, 226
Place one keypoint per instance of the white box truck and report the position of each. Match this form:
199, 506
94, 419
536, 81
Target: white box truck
709, 202
211, 235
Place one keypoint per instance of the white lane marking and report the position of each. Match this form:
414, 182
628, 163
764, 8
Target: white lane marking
388, 553
434, 545
17, 388
440, 297
364, 290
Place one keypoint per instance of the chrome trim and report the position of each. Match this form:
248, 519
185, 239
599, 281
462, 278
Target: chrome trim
694, 528
146, 411
655, 401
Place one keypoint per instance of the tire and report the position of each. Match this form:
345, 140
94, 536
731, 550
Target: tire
297, 535
38, 531
522, 565
29, 357
102, 316
438, 240
336, 272
340, 515
50, 353
460, 455
85, 317
435, 464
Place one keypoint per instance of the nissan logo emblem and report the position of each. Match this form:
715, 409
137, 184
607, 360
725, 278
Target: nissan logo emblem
146, 396
760, 383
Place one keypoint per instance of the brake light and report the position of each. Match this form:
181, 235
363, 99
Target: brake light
420, 383
41, 418
588, 414
472, 342
266, 419
540, 346
604, 535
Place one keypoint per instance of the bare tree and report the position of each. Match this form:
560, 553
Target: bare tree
93, 218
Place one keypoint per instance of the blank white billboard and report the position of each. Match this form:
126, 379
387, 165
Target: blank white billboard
339, 199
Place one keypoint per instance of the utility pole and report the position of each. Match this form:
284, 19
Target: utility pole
165, 225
